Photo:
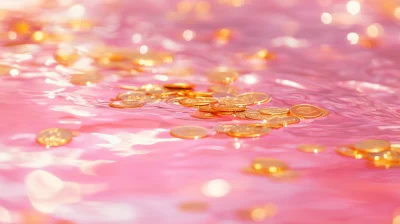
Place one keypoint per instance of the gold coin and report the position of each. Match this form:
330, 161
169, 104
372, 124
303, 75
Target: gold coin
66, 57
6, 70
390, 156
240, 115
224, 89
258, 214
54, 137
127, 104
349, 152
395, 147
255, 115
203, 115
249, 130
286, 175
223, 75
305, 111
269, 165
151, 58
324, 112
274, 111
227, 107
385, 164
254, 98
138, 96
127, 87
193, 206
206, 108
152, 89
277, 120
233, 101
86, 79
131, 95
223, 128
224, 113
312, 148
174, 100
200, 101
179, 85
189, 132
199, 94
372, 145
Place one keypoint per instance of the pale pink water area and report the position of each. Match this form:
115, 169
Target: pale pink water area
125, 168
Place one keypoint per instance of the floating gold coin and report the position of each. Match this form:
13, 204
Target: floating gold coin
199, 94
372, 146
312, 148
224, 113
255, 115
240, 115
179, 85
227, 107
200, 101
287, 175
223, 128
385, 164
54, 137
86, 79
269, 165
283, 120
203, 115
206, 108
131, 95
224, 89
258, 214
190, 132
349, 152
274, 111
395, 147
233, 101
249, 130
174, 100
254, 98
127, 104
324, 112
66, 57
305, 111
390, 156
193, 206
223, 75
151, 58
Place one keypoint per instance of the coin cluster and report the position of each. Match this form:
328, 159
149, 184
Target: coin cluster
378, 152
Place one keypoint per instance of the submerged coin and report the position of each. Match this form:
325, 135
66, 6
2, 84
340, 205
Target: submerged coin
249, 130
395, 147
274, 111
311, 148
269, 165
54, 137
348, 151
324, 113
254, 98
223, 128
305, 111
189, 132
258, 214
174, 100
206, 108
127, 104
385, 164
203, 115
372, 145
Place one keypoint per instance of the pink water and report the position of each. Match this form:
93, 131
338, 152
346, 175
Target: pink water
124, 167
